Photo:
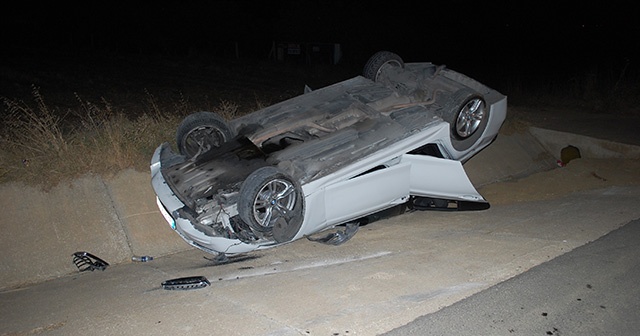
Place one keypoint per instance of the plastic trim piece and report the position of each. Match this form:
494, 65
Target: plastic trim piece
186, 283
86, 261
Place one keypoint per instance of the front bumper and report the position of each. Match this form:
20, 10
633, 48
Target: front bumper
171, 206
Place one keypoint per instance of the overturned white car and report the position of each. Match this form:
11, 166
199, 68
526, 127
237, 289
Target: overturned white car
392, 138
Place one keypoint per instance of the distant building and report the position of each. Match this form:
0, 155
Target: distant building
306, 53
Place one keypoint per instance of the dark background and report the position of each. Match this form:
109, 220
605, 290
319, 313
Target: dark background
514, 46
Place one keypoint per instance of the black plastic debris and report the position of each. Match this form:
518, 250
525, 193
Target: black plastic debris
221, 258
86, 261
339, 237
187, 283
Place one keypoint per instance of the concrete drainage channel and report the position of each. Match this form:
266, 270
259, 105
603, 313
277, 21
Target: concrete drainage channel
116, 219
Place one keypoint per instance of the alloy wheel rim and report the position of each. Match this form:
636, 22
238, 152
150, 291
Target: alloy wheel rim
470, 117
274, 201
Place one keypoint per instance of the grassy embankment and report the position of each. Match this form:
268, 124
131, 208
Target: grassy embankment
44, 146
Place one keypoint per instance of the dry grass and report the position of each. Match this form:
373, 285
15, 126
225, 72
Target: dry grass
44, 146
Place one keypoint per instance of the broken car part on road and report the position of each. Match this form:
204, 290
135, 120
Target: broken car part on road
186, 283
86, 261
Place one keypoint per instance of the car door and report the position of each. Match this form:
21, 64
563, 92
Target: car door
366, 193
440, 178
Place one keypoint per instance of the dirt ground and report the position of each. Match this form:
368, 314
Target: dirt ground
578, 175
581, 174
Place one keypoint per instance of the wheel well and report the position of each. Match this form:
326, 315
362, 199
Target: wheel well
429, 149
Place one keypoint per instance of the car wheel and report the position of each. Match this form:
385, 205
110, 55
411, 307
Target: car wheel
467, 113
200, 132
271, 203
378, 62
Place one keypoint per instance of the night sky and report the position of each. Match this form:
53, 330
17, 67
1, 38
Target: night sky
531, 38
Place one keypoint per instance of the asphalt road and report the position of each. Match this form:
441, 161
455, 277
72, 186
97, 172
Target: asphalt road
592, 290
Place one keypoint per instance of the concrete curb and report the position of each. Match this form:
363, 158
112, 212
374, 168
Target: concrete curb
112, 219
554, 141
510, 156
134, 203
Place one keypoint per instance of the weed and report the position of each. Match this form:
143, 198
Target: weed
44, 146
36, 130
227, 109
